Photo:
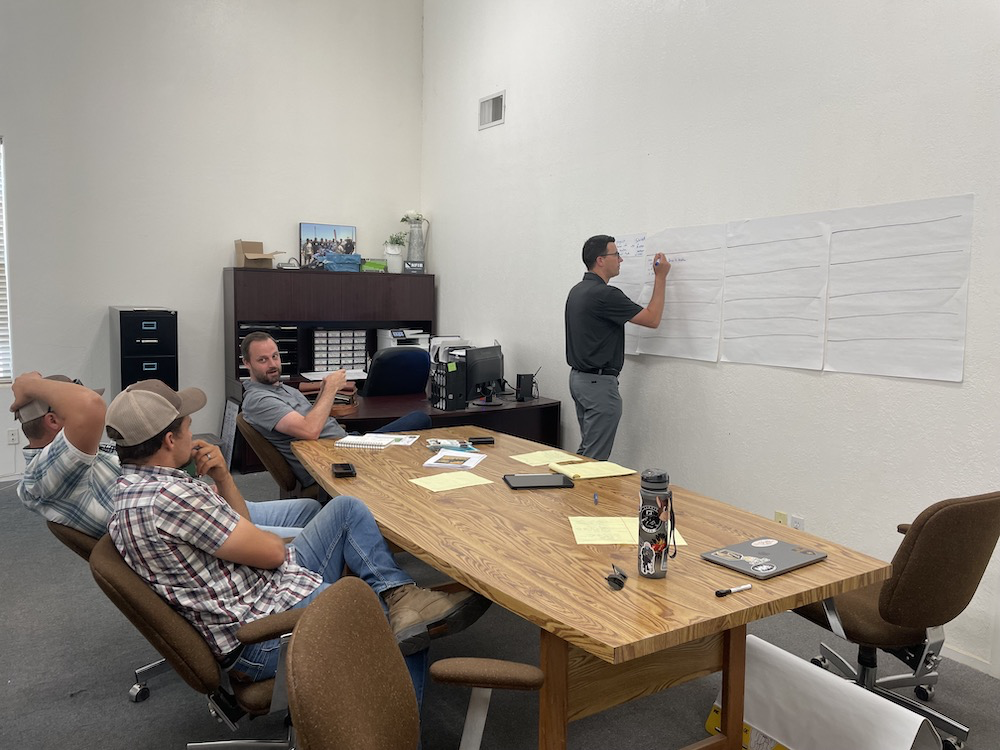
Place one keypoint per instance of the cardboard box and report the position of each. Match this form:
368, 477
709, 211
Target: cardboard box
252, 255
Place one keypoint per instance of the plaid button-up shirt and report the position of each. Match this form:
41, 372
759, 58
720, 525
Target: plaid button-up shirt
68, 486
168, 526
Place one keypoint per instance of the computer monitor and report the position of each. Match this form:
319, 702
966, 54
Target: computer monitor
483, 374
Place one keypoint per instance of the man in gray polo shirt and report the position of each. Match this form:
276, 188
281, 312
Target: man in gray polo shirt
595, 340
282, 414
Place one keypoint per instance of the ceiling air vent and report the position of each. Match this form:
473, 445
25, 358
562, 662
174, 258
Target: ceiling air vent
491, 110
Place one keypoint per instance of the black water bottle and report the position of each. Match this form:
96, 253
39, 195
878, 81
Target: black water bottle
655, 512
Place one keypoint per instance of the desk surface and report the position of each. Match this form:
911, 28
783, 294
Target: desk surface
517, 548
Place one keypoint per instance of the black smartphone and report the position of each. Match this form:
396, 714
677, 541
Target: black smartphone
486, 440
343, 470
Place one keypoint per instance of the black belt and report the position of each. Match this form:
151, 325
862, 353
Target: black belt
601, 371
229, 660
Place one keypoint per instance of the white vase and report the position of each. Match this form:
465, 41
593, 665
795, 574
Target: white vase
394, 258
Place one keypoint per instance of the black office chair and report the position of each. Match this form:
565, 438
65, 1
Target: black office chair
935, 573
398, 371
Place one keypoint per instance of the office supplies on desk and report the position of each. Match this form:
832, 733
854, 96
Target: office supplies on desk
764, 557
355, 374
591, 469
449, 459
452, 445
369, 442
610, 530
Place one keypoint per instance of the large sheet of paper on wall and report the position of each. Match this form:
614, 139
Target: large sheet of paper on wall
899, 285
774, 307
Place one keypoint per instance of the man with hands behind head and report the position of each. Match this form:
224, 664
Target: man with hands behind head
69, 475
596, 314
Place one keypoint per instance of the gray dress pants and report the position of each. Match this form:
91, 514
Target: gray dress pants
598, 410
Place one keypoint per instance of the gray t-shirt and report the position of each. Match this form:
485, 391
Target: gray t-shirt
265, 405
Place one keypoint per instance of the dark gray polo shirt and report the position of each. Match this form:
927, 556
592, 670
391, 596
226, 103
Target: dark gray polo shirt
595, 324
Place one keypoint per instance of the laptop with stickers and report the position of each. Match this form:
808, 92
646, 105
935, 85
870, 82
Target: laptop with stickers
764, 557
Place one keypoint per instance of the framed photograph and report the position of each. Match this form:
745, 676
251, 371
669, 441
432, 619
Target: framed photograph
319, 240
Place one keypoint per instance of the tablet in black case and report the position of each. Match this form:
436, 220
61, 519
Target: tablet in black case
536, 481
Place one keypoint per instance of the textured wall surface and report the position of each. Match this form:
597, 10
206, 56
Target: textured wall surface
636, 116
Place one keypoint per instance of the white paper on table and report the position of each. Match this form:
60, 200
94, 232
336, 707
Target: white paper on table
899, 283
351, 375
807, 708
774, 305
692, 311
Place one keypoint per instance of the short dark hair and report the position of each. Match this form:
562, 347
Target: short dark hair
135, 453
35, 428
250, 338
594, 248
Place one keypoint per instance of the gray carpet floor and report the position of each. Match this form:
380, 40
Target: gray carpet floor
67, 659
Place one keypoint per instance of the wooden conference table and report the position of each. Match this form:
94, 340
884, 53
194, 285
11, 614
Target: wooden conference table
599, 647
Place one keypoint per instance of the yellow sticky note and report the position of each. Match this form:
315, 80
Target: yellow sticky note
450, 481
591, 469
610, 530
542, 458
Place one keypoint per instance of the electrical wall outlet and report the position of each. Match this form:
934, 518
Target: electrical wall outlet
781, 517
13, 436
798, 522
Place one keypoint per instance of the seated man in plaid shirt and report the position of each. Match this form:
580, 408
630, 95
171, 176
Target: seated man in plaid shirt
198, 549
69, 474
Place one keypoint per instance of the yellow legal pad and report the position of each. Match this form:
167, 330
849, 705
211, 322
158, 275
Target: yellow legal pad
542, 458
591, 470
610, 530
450, 481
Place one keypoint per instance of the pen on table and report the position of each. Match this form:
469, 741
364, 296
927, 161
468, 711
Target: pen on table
595, 498
735, 589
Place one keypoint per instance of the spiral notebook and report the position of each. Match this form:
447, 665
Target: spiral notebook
369, 442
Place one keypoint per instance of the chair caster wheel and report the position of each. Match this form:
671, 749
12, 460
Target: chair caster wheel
924, 692
820, 661
138, 693
951, 744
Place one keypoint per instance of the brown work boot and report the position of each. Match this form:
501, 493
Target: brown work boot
417, 615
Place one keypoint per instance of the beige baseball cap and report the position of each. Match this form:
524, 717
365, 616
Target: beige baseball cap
38, 408
145, 409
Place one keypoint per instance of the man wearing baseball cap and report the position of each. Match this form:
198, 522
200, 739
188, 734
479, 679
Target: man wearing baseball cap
198, 549
69, 475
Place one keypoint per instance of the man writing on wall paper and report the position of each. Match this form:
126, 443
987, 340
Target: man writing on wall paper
596, 314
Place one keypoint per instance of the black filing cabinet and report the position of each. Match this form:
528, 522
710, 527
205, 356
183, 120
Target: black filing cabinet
143, 346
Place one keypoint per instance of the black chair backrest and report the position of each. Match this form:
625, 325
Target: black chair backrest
82, 544
347, 683
171, 635
940, 561
276, 464
398, 371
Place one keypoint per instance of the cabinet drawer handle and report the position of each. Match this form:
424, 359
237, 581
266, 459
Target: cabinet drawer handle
150, 367
149, 325
147, 341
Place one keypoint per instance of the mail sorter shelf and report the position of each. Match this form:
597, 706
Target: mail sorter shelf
320, 319
143, 346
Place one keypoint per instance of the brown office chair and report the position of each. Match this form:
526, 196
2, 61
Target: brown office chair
276, 464
83, 544
935, 573
343, 652
188, 653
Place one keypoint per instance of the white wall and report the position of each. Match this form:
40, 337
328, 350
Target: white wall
142, 137
639, 115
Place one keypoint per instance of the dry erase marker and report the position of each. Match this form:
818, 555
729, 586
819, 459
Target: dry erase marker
735, 589
595, 498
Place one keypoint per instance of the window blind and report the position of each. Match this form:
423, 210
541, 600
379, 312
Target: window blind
5, 356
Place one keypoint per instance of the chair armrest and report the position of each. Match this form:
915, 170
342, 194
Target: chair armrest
488, 673
903, 528
272, 626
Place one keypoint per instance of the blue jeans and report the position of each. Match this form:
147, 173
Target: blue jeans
343, 532
283, 517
